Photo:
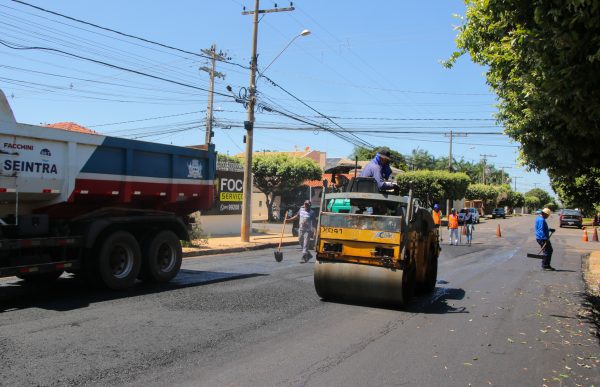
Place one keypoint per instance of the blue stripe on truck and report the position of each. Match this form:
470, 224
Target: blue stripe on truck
119, 156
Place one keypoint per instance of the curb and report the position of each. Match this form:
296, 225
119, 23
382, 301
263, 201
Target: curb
239, 249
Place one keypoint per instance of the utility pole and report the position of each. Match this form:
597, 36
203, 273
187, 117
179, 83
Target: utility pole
484, 156
502, 176
249, 123
451, 134
516, 177
212, 73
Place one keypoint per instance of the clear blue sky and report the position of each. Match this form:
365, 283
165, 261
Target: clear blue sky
370, 67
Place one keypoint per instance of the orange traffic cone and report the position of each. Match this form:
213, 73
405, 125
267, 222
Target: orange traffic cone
585, 237
498, 232
595, 236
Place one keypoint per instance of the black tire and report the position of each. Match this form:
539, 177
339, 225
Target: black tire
409, 282
432, 269
50, 276
162, 257
119, 261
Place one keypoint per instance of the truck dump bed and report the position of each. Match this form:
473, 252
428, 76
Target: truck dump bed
65, 174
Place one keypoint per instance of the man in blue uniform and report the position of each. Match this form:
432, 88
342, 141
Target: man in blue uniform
542, 235
379, 169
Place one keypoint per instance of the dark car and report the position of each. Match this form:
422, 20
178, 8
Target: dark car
498, 213
570, 218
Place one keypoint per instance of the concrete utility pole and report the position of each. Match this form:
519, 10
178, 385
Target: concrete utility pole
484, 157
450, 134
502, 176
212, 73
515, 178
249, 124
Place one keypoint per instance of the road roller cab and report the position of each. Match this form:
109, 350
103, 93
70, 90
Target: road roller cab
375, 247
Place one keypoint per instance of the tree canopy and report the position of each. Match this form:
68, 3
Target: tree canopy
277, 173
228, 159
540, 194
433, 186
579, 191
543, 61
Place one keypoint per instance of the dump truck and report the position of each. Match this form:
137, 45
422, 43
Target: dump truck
109, 209
374, 246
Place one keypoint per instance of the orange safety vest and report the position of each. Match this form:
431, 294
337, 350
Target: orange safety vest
452, 221
437, 217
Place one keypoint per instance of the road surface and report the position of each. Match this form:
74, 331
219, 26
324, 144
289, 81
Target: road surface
243, 319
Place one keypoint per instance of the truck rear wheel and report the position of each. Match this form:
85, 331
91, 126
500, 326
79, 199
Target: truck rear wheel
119, 260
162, 257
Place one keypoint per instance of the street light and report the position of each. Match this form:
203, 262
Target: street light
303, 33
249, 126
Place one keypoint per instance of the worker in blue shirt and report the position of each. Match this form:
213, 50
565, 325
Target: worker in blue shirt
542, 236
379, 169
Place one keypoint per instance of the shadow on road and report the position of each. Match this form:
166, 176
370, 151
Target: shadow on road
68, 293
437, 303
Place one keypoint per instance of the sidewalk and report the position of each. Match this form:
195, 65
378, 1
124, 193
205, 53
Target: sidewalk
233, 244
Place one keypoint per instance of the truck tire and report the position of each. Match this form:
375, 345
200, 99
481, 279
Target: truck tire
119, 260
162, 257
41, 277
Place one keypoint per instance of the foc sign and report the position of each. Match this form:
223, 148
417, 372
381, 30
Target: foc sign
231, 185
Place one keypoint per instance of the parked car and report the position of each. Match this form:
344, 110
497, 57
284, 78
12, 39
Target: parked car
569, 217
474, 214
498, 213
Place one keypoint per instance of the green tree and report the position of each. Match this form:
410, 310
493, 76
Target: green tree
228, 159
512, 199
364, 154
579, 191
540, 194
543, 61
488, 193
278, 173
532, 202
433, 186
420, 159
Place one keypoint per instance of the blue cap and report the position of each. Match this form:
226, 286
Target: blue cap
436, 207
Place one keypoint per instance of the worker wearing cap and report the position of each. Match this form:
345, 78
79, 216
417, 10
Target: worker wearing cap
542, 236
379, 169
437, 215
305, 228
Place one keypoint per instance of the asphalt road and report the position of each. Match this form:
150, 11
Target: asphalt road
243, 319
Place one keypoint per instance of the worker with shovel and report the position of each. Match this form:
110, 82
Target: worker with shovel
542, 235
305, 228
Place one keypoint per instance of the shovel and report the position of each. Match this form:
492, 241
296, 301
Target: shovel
278, 254
539, 255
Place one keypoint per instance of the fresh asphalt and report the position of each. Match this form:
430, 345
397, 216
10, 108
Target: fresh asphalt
243, 319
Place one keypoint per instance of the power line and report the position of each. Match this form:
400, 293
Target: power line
19, 47
125, 34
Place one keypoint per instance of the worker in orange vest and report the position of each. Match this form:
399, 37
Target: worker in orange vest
453, 227
437, 218
437, 215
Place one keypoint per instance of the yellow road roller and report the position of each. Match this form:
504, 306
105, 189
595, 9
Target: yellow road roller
374, 247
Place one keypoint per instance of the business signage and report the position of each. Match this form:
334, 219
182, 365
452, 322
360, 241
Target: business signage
228, 199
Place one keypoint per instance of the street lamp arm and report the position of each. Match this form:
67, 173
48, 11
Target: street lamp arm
303, 33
